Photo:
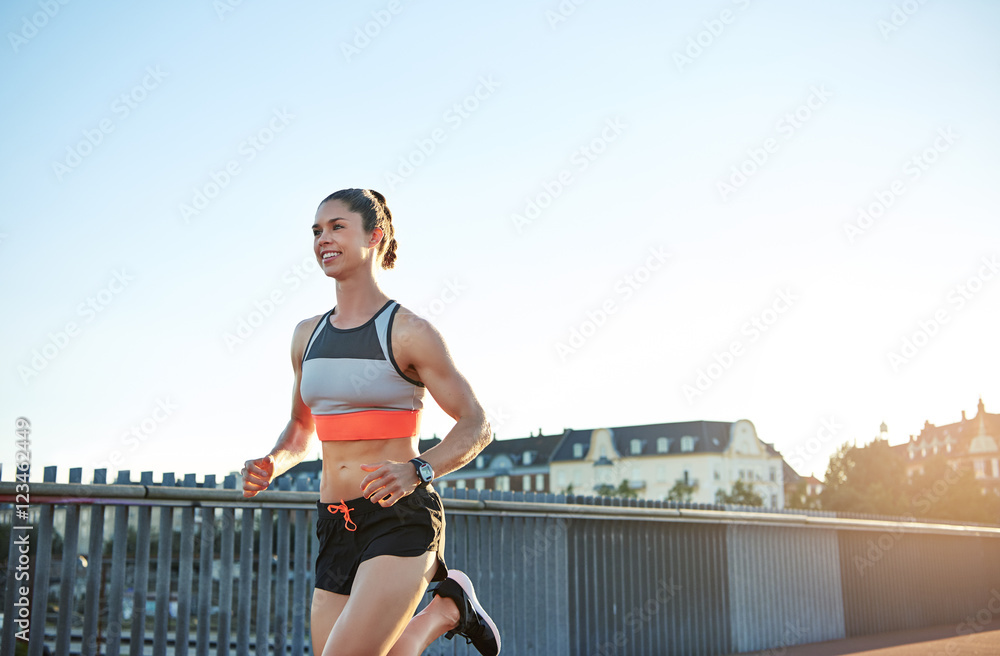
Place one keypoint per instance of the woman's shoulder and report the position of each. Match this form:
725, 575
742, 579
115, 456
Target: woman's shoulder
408, 326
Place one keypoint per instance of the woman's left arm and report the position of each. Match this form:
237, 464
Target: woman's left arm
421, 353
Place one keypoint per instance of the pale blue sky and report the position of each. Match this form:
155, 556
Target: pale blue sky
278, 72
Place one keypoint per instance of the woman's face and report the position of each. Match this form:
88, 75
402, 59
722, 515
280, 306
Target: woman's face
340, 241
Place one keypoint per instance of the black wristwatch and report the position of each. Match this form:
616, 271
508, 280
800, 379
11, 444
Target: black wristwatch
424, 470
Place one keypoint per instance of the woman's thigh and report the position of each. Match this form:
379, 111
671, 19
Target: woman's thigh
326, 608
385, 594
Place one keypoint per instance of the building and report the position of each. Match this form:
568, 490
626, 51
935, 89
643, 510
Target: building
708, 456
517, 465
968, 443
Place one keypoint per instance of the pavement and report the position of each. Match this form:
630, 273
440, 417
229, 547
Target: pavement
949, 640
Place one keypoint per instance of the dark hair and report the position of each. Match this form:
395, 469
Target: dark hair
370, 204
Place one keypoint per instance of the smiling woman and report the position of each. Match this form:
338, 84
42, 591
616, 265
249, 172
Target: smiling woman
361, 371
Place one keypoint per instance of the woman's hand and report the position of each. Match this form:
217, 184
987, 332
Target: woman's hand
257, 475
388, 482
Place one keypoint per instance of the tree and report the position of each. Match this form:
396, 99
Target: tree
946, 491
624, 490
799, 498
741, 495
681, 492
869, 479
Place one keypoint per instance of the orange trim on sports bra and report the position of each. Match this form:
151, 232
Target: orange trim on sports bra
368, 425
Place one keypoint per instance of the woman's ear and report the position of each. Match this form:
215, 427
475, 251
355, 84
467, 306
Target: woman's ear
376, 237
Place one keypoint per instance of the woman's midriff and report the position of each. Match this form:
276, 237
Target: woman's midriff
342, 460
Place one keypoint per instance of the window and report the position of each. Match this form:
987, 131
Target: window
539, 482
980, 468
935, 449
636, 474
577, 450
441, 485
774, 500
687, 480
996, 468
687, 443
923, 452
480, 483
526, 483
774, 475
662, 446
635, 447
716, 475
562, 479
913, 455
947, 447
460, 484
503, 483
527, 458
604, 452
480, 462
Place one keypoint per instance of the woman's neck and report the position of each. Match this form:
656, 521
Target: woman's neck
358, 300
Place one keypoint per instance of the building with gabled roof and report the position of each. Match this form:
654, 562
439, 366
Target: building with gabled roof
968, 443
512, 465
708, 456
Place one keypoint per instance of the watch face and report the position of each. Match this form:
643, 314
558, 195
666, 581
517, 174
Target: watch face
426, 473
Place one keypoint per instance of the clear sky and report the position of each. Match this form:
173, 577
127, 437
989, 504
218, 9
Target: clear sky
616, 213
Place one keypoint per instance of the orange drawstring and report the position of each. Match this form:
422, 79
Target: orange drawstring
348, 523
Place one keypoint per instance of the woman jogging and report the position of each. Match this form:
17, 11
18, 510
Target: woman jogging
360, 374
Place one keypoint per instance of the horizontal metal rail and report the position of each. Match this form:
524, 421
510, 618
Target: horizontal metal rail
62, 493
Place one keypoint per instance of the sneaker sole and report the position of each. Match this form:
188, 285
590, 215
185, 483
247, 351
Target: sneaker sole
460, 578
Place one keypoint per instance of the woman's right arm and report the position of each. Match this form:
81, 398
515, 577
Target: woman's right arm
293, 443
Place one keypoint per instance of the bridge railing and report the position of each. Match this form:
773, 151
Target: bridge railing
182, 566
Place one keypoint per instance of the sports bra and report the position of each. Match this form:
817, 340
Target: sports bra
352, 384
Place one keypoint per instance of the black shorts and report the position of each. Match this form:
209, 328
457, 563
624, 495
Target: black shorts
412, 526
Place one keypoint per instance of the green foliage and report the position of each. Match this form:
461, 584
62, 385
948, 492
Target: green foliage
797, 498
952, 493
681, 492
742, 495
624, 490
869, 479
872, 479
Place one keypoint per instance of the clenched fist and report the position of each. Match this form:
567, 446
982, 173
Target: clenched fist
257, 475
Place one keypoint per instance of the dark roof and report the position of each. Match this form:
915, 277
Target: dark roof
541, 447
710, 437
